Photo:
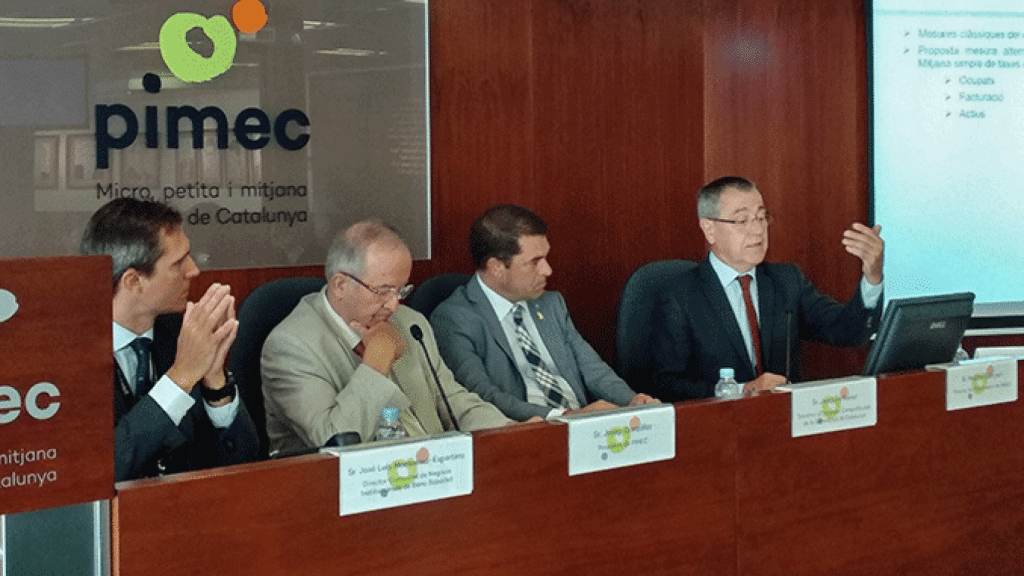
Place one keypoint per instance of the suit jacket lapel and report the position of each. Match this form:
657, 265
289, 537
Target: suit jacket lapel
330, 319
476, 296
767, 303
719, 304
551, 335
122, 403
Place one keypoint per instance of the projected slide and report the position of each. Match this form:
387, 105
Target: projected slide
948, 147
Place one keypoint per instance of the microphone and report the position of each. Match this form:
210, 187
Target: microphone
417, 335
789, 340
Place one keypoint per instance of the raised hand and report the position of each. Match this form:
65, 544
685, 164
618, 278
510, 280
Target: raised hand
866, 244
207, 330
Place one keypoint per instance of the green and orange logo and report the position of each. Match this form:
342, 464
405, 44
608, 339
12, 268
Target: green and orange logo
618, 438
249, 16
979, 382
401, 473
830, 405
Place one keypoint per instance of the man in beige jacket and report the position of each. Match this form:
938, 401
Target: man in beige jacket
346, 352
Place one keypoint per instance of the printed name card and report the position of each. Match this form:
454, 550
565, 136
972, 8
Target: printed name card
833, 405
624, 437
981, 382
383, 475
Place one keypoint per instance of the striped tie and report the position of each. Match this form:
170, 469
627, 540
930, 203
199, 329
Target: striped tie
547, 381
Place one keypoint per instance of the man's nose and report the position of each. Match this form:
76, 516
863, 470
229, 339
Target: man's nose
191, 270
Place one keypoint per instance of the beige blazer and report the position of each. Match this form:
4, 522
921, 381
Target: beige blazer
314, 386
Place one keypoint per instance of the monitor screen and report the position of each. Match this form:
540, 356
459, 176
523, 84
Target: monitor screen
919, 331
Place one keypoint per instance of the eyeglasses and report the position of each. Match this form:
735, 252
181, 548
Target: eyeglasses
383, 292
763, 219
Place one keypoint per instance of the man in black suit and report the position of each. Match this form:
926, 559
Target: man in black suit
704, 321
175, 407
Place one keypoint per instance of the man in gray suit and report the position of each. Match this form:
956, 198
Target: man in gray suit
512, 342
345, 353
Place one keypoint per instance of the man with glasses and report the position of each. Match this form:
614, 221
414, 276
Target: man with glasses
736, 311
512, 341
346, 352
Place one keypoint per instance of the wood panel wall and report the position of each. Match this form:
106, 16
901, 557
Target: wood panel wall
606, 116
786, 104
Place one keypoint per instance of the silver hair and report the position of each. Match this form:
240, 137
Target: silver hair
709, 197
348, 251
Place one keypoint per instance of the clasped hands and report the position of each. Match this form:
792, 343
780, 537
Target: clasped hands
208, 329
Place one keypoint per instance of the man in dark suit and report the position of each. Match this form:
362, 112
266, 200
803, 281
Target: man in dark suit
512, 342
175, 407
704, 321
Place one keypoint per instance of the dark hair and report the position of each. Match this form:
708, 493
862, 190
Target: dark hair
495, 234
708, 197
128, 230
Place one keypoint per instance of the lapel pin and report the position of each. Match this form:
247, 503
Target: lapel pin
539, 315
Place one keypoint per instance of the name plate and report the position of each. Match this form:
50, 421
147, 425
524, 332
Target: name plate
832, 405
981, 383
388, 474
624, 437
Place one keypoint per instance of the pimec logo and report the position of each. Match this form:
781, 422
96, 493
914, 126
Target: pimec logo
185, 63
252, 127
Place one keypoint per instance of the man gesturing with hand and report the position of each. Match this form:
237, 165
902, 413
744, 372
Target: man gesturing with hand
734, 310
175, 406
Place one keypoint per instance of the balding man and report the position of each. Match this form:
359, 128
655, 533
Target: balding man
345, 353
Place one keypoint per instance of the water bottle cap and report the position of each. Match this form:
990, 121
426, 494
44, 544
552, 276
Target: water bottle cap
726, 373
389, 413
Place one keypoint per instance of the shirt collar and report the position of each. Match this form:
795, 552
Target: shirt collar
501, 305
726, 273
123, 336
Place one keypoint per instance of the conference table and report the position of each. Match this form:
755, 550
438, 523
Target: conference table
923, 491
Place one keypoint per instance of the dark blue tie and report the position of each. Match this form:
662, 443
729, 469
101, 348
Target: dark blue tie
142, 383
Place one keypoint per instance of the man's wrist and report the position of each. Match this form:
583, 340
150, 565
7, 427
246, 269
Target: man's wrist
380, 357
182, 378
224, 392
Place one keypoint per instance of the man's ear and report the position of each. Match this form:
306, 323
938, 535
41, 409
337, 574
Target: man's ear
130, 282
708, 228
494, 266
337, 282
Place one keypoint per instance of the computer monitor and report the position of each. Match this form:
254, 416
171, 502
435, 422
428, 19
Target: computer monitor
919, 331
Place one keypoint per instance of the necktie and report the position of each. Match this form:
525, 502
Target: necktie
142, 382
755, 332
542, 376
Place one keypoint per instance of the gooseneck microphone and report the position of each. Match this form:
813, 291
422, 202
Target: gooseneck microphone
417, 335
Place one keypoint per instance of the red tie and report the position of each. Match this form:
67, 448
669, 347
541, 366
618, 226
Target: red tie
755, 333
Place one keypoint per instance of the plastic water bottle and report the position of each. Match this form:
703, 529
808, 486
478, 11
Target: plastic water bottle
727, 386
961, 355
390, 428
